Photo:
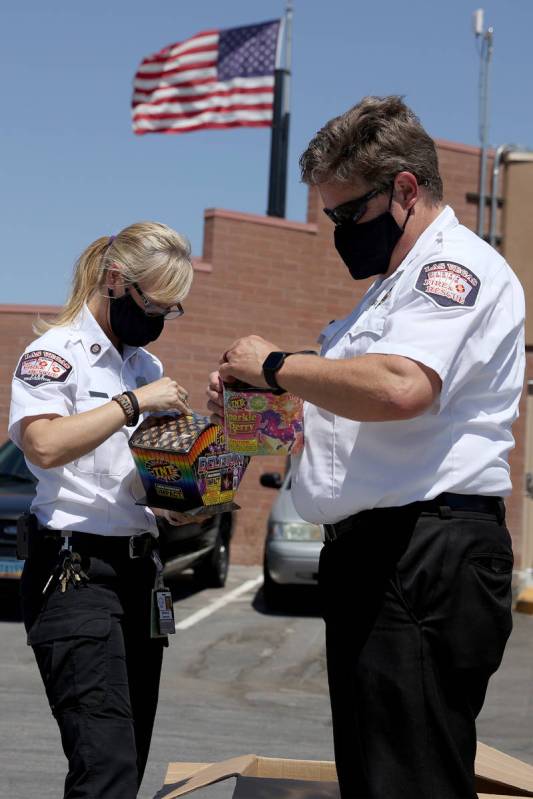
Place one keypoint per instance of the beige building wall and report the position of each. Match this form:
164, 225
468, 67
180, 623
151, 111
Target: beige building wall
517, 247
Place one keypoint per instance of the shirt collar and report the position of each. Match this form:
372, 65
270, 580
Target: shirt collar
128, 352
444, 221
93, 339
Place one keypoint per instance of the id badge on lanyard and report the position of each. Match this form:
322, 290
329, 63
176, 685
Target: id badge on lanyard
162, 609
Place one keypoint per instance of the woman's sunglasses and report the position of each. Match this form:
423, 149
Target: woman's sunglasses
151, 309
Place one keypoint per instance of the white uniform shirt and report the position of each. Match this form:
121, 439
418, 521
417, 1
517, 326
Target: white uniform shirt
455, 306
66, 371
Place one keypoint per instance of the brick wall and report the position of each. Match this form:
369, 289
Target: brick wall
280, 279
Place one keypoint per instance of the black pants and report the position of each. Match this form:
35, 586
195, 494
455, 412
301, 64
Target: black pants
417, 611
99, 666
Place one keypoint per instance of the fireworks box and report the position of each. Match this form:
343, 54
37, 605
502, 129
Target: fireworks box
184, 464
498, 776
261, 422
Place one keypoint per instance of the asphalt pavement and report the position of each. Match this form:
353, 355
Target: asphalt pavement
236, 679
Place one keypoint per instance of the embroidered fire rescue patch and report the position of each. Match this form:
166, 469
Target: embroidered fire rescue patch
40, 366
448, 284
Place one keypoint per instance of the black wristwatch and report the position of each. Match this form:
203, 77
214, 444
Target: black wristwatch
273, 363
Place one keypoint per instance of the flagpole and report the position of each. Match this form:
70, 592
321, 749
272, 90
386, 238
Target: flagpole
279, 142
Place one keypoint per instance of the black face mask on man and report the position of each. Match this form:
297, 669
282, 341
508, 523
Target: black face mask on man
366, 247
130, 324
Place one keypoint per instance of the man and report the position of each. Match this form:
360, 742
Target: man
408, 427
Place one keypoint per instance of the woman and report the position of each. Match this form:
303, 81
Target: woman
78, 392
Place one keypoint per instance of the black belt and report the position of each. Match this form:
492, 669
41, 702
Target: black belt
443, 505
94, 544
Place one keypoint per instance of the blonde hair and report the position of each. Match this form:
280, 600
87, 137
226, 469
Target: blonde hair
146, 252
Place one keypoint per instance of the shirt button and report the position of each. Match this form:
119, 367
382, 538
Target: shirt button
95, 349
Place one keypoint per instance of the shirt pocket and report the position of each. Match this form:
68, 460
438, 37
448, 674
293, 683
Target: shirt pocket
363, 334
113, 457
328, 334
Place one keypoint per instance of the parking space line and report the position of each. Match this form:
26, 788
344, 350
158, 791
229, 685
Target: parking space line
194, 618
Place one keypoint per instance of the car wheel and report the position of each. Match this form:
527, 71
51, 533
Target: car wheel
274, 595
212, 572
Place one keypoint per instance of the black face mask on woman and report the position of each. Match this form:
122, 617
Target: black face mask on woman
366, 247
130, 324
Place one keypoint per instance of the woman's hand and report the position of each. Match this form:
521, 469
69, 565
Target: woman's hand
175, 518
163, 395
215, 397
172, 517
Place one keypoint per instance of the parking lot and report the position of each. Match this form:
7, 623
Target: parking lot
236, 679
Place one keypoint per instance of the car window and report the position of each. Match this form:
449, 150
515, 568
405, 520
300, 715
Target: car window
12, 463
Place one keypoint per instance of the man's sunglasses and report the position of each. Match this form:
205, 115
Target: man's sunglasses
151, 309
353, 210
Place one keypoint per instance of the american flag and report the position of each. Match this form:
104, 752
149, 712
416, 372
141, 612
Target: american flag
216, 79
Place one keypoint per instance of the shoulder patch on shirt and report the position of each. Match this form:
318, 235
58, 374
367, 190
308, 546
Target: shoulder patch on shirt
448, 284
41, 366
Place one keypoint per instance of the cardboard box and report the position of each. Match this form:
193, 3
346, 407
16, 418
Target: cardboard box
184, 464
261, 422
498, 775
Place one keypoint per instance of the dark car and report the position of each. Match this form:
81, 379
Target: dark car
17, 487
204, 546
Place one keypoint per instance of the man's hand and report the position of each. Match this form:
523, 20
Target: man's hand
244, 360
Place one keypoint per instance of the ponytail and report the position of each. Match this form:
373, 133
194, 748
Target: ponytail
88, 276
144, 251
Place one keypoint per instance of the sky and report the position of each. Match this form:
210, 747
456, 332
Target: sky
71, 169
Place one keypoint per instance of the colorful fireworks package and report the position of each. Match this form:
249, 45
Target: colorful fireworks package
260, 422
184, 464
